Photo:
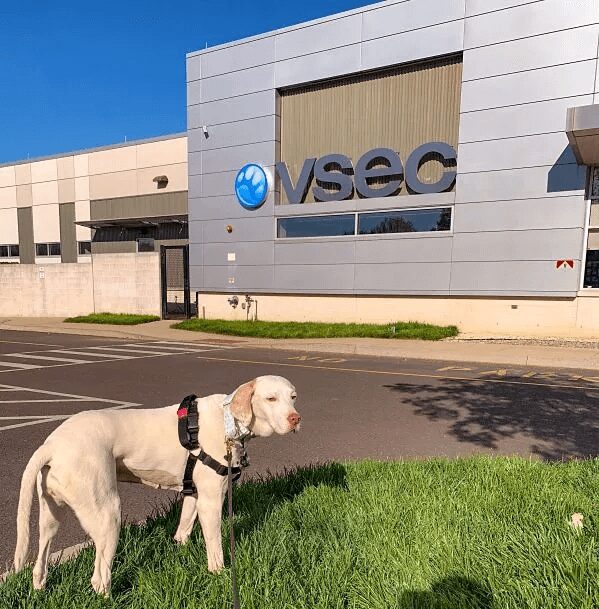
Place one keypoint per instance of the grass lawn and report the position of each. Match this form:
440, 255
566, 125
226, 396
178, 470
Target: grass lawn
119, 319
290, 329
475, 533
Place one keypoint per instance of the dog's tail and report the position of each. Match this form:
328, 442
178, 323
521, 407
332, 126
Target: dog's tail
39, 458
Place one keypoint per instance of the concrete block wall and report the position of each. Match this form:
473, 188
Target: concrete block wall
115, 283
51, 290
127, 283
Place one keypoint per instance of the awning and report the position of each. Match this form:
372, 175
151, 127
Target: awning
134, 222
582, 128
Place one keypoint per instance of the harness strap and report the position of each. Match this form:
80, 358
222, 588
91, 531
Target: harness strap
188, 426
222, 470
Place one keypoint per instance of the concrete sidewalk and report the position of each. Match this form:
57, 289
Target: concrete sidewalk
446, 350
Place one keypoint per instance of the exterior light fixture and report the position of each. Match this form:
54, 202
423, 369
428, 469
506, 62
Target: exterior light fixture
161, 181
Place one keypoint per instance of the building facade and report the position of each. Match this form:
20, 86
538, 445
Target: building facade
116, 199
406, 160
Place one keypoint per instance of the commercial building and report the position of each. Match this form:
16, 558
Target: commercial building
413, 159
113, 207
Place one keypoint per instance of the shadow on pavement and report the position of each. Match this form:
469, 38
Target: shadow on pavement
560, 423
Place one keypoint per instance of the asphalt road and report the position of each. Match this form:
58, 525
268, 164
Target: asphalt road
352, 406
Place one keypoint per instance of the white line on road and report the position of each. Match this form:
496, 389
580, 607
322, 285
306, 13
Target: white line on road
180, 349
46, 357
46, 401
136, 350
18, 366
107, 355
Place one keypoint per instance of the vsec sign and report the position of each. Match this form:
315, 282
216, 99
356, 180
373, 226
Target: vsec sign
382, 164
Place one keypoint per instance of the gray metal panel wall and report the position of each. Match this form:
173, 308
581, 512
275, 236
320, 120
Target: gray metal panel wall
162, 204
519, 198
26, 243
68, 237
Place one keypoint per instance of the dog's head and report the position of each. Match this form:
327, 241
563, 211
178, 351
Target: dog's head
266, 405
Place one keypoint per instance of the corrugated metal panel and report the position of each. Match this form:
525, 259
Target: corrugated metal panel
400, 108
115, 240
142, 205
26, 245
68, 237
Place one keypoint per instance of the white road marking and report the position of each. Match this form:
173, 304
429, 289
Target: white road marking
213, 345
106, 355
137, 350
45, 401
47, 357
169, 348
19, 366
62, 398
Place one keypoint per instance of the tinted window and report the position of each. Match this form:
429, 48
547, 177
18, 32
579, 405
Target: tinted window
145, 244
409, 221
54, 249
14, 250
316, 226
3, 251
41, 249
85, 248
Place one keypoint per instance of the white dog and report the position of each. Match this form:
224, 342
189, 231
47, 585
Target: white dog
80, 462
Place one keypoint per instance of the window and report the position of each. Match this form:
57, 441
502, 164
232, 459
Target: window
47, 249
145, 244
405, 221
317, 226
591, 271
9, 251
85, 248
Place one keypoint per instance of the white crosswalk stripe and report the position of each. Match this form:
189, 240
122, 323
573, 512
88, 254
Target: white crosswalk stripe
97, 354
18, 365
87, 353
48, 358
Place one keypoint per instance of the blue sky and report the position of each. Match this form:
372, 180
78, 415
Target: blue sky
82, 74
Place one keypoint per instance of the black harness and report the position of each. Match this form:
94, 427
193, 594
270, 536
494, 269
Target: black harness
188, 429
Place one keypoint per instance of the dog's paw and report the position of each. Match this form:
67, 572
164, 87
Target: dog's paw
181, 540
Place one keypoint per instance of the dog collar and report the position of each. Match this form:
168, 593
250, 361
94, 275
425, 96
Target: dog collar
234, 430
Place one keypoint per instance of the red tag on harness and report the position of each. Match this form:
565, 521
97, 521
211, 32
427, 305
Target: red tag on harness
182, 412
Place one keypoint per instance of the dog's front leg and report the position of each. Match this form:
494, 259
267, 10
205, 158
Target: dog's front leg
189, 511
209, 506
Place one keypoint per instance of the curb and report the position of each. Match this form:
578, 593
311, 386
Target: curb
546, 356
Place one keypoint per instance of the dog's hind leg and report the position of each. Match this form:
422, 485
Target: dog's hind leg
50, 518
96, 503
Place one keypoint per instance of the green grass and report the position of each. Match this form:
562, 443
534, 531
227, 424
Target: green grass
475, 533
119, 319
290, 329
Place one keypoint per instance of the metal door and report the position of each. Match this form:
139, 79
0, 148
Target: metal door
174, 266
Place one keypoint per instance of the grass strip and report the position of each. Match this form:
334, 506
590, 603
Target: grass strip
117, 319
476, 533
289, 329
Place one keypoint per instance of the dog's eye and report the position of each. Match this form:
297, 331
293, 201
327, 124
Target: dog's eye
294, 396
272, 398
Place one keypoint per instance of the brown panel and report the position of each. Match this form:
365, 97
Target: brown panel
162, 204
25, 224
400, 108
68, 238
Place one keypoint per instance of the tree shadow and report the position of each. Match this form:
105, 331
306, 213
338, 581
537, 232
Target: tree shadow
557, 422
454, 592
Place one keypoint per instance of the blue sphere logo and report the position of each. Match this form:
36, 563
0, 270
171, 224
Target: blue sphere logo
251, 186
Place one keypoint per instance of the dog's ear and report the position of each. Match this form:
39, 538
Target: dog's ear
241, 404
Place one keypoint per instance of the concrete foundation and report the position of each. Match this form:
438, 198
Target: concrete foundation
559, 317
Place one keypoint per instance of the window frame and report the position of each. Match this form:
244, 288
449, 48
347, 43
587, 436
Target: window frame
79, 252
47, 244
138, 239
366, 236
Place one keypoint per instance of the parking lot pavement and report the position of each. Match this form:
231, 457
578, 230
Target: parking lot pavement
352, 406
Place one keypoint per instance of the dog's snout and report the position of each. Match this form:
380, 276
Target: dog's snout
294, 419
